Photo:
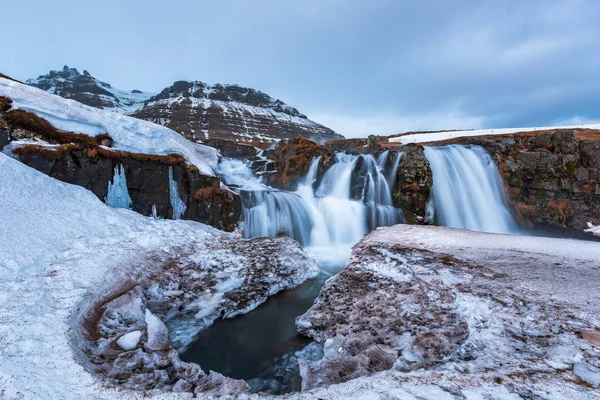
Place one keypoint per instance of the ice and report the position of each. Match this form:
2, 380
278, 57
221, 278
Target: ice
158, 334
595, 230
130, 340
177, 204
587, 375
129, 134
117, 195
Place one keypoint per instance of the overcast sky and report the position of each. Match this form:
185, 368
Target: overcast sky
359, 67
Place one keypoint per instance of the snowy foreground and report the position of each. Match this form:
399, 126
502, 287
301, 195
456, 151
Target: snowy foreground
63, 252
474, 316
438, 136
129, 134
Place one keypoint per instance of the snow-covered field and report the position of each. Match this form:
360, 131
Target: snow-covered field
129, 134
438, 136
62, 249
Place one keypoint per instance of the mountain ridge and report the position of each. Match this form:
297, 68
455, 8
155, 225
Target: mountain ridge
197, 110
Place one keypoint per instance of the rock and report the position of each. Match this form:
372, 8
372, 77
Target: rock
444, 305
413, 183
147, 182
228, 112
543, 141
182, 386
590, 153
582, 174
124, 314
292, 159
233, 149
158, 333
565, 142
129, 341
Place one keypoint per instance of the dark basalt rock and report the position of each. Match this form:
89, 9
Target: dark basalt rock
413, 183
230, 148
147, 184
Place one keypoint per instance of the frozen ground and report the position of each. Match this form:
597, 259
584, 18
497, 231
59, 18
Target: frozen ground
530, 305
437, 136
62, 250
129, 134
433, 312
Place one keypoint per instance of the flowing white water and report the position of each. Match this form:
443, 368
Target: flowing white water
352, 198
117, 195
467, 190
178, 205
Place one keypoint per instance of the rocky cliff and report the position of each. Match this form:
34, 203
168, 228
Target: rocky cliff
552, 178
198, 111
90, 162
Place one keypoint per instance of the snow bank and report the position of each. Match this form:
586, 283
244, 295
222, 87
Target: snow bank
129, 134
62, 249
438, 136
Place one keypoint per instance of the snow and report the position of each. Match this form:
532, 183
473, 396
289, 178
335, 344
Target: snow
61, 249
129, 134
587, 375
438, 136
595, 230
130, 340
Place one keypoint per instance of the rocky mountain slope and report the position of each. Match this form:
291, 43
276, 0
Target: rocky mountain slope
84, 88
195, 109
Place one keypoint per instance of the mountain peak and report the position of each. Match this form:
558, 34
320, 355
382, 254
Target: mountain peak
71, 84
197, 110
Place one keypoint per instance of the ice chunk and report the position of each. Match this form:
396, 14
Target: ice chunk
118, 196
178, 205
129, 340
587, 375
158, 334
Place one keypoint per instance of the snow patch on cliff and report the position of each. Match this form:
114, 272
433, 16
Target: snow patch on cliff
129, 134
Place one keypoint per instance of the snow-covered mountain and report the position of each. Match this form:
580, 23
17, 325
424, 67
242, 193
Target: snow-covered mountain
196, 110
129, 134
83, 87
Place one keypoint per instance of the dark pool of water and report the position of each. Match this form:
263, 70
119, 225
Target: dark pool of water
260, 346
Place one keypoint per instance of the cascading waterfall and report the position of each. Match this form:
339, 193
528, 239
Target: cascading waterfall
117, 195
467, 190
177, 204
352, 198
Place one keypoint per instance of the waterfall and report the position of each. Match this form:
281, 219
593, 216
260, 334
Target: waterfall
177, 204
352, 198
117, 195
467, 190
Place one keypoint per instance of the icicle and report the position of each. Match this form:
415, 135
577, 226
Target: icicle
117, 195
154, 214
177, 204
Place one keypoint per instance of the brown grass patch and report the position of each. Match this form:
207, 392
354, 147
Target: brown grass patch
31, 122
9, 78
582, 134
5, 104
